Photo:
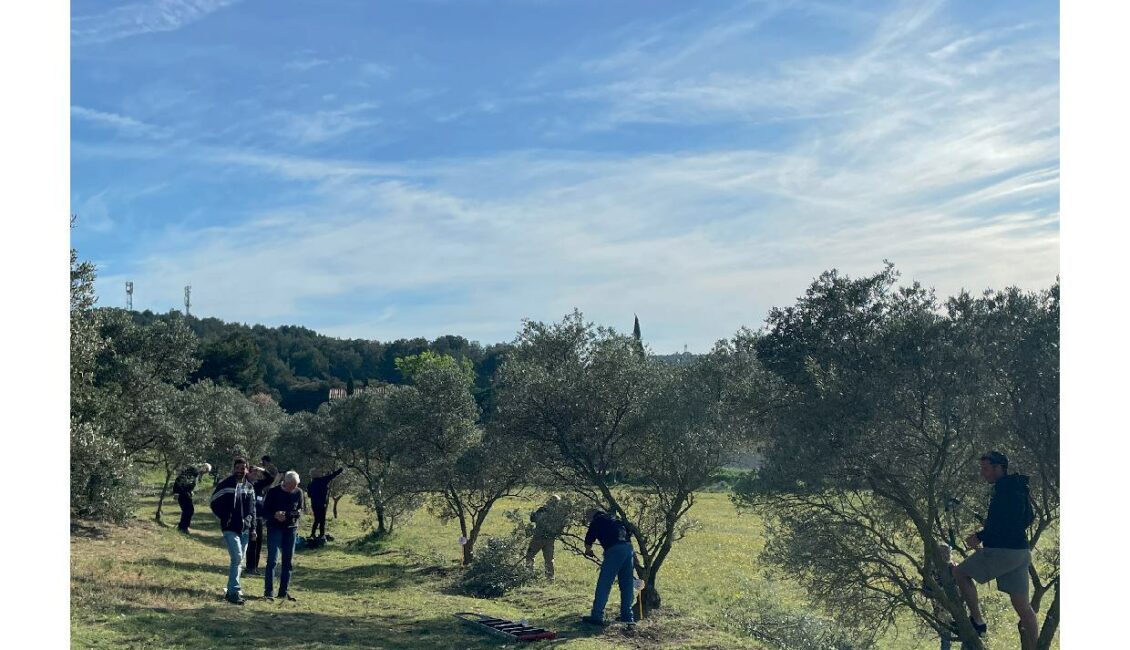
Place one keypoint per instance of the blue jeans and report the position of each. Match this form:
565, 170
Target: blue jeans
618, 563
237, 546
279, 538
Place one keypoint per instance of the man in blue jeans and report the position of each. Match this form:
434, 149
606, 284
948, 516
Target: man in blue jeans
617, 565
282, 506
233, 503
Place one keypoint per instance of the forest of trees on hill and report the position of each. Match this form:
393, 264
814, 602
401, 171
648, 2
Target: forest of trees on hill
297, 366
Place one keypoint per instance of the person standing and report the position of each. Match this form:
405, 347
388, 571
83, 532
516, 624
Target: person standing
184, 487
549, 521
319, 491
1002, 550
261, 482
283, 505
233, 503
617, 565
272, 469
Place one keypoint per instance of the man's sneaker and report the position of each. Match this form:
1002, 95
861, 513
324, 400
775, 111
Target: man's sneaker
288, 597
631, 622
269, 597
979, 629
593, 621
235, 599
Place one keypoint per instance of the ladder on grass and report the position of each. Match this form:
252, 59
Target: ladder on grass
509, 630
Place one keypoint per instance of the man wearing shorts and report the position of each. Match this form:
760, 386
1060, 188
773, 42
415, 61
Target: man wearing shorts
1003, 552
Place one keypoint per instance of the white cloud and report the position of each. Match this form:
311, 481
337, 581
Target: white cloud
324, 125
302, 65
933, 145
690, 242
123, 124
142, 18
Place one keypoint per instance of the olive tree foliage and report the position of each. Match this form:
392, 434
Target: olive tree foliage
627, 433
1016, 336
102, 477
368, 433
222, 424
464, 471
136, 374
885, 402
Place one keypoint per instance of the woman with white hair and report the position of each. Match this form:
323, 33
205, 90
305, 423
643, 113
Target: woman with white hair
283, 506
183, 488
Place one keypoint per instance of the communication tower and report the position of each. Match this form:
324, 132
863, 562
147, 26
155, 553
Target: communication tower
129, 296
187, 299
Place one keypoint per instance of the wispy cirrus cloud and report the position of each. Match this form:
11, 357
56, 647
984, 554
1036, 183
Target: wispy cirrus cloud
330, 124
142, 18
688, 169
122, 124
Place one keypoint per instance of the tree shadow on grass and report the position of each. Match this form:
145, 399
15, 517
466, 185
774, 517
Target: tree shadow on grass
355, 579
286, 628
88, 530
350, 580
195, 593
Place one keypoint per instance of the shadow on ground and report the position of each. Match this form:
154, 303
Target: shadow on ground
230, 626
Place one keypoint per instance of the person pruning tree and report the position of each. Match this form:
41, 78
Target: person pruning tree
1002, 550
549, 522
617, 565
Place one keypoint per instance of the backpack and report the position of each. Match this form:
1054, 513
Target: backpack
185, 482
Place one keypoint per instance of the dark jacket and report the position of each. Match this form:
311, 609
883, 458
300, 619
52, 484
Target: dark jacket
607, 530
234, 504
261, 486
289, 502
549, 521
186, 481
1009, 514
319, 488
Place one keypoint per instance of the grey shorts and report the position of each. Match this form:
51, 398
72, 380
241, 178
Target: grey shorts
1008, 565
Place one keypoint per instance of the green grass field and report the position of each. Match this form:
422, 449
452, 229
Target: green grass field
145, 585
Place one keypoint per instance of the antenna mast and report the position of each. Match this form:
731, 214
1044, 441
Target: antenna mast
129, 296
187, 299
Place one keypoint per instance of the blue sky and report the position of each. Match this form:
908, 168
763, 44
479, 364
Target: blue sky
418, 168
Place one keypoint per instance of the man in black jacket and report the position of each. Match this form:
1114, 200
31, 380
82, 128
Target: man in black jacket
616, 566
183, 487
1004, 553
319, 492
233, 503
283, 506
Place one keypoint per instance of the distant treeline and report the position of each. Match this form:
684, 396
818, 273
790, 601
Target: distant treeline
297, 367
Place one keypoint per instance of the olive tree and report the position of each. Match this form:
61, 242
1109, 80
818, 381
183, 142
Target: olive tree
886, 400
102, 479
463, 472
626, 432
367, 433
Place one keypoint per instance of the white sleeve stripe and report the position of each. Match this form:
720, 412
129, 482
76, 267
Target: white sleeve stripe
223, 491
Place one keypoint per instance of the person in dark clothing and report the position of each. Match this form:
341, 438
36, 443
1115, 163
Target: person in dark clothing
319, 492
272, 469
617, 565
261, 482
1004, 553
283, 505
233, 503
183, 488
549, 522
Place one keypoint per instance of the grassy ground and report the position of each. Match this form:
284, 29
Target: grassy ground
147, 586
